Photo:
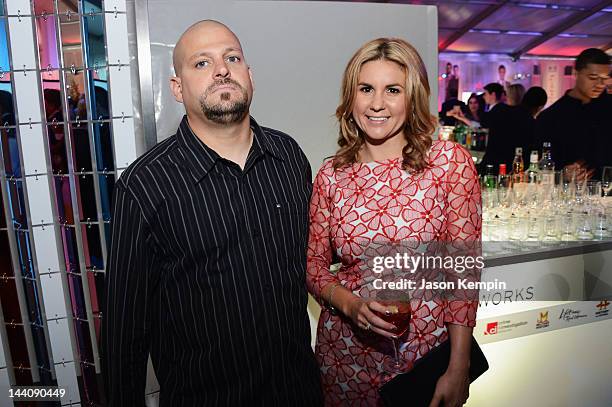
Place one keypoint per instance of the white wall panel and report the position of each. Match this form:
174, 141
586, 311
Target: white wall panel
33, 148
112, 5
59, 335
21, 7
125, 142
116, 36
121, 91
53, 296
39, 198
22, 50
28, 108
46, 249
66, 379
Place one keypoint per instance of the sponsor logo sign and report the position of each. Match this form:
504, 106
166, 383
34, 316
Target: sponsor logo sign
542, 321
602, 309
497, 327
570, 314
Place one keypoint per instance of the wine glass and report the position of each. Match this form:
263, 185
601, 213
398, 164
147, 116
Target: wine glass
606, 181
397, 303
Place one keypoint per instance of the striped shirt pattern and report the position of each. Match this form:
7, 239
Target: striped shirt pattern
207, 272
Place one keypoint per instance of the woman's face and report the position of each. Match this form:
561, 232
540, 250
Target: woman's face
473, 105
380, 102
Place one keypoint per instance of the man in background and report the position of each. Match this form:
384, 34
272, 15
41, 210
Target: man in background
505, 133
208, 250
579, 124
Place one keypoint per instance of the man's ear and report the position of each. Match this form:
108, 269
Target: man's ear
251, 78
176, 88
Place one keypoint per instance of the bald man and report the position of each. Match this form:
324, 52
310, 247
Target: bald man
208, 250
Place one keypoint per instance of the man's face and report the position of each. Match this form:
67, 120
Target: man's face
502, 73
591, 81
456, 71
489, 98
449, 68
214, 82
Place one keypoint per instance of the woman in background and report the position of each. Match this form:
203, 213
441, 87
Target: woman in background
515, 94
474, 114
387, 182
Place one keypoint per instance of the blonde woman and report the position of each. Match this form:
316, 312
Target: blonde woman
515, 93
388, 181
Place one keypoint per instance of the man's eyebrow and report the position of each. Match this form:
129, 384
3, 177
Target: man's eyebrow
207, 54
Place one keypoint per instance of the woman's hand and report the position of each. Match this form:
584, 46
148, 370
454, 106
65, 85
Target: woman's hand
452, 389
362, 314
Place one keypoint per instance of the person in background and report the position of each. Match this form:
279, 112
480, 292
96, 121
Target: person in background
579, 124
532, 104
505, 132
514, 94
207, 262
378, 188
451, 108
474, 114
501, 77
534, 100
448, 74
453, 83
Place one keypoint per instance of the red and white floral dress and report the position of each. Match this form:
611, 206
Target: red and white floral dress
380, 201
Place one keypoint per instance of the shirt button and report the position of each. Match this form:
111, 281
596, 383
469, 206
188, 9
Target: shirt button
255, 233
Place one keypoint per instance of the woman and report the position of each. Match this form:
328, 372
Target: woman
474, 114
388, 181
515, 94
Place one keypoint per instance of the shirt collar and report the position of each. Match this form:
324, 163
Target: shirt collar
200, 158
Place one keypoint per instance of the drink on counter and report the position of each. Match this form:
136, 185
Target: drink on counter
518, 167
533, 172
489, 180
547, 165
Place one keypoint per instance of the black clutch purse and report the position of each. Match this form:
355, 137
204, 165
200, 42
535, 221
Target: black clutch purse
416, 387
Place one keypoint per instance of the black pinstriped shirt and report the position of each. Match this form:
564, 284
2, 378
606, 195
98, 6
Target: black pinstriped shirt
207, 272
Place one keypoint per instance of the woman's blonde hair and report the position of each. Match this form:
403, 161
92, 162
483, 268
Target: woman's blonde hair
419, 124
515, 93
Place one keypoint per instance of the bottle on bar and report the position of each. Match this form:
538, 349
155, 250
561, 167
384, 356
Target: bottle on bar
533, 172
518, 167
547, 165
489, 179
502, 176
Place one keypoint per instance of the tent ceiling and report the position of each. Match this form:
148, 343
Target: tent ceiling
522, 27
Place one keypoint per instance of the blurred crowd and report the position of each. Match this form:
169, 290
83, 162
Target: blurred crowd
578, 125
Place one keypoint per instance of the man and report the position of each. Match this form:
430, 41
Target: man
208, 254
506, 130
578, 124
448, 73
453, 83
501, 73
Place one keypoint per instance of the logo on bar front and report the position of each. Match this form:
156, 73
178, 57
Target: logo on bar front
602, 309
491, 328
542, 321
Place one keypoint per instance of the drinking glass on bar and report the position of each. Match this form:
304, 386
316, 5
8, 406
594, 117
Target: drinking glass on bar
606, 182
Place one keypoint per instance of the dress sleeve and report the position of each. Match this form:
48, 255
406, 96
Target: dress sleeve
464, 221
319, 255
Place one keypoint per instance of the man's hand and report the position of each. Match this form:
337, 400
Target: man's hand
579, 171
